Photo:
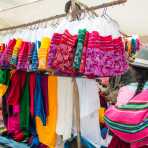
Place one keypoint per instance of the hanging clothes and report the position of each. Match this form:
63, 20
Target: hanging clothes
15, 52
23, 56
53, 48
32, 85
89, 105
39, 101
65, 108
47, 134
79, 49
6, 55
4, 81
65, 53
44, 89
25, 108
43, 53
2, 48
34, 61
105, 56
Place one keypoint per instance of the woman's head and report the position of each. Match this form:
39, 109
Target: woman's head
141, 76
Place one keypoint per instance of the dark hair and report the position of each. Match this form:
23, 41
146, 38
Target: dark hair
68, 6
141, 76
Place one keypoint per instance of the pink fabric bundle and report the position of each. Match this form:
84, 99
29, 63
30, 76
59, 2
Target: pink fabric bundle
65, 53
23, 63
7, 53
105, 56
53, 48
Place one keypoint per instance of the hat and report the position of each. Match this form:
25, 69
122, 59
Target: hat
141, 59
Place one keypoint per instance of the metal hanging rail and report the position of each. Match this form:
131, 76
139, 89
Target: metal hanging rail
104, 5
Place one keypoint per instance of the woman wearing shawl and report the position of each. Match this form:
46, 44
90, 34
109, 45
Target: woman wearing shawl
128, 119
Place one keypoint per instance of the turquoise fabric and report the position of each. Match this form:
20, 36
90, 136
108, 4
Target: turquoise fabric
11, 143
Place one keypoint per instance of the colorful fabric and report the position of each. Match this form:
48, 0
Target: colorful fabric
84, 52
6, 55
23, 56
65, 53
79, 49
118, 143
4, 81
16, 87
2, 48
43, 53
130, 121
44, 89
53, 48
32, 85
15, 52
39, 101
47, 134
24, 108
34, 61
105, 56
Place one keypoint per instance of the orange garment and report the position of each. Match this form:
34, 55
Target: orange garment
43, 53
129, 45
47, 134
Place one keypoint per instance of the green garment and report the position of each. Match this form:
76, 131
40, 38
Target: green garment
4, 81
125, 127
79, 49
134, 106
24, 105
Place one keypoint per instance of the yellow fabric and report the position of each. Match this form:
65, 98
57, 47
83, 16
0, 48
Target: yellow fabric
47, 134
129, 45
43, 53
3, 89
17, 47
101, 114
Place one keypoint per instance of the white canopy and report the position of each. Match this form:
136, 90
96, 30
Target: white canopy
132, 16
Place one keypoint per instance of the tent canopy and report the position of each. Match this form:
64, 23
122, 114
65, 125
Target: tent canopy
132, 16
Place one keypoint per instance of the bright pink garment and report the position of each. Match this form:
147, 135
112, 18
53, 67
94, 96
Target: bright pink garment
126, 116
65, 53
105, 56
130, 117
143, 97
118, 143
32, 84
23, 63
131, 138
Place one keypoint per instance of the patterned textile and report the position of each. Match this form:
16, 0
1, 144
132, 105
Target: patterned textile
83, 58
79, 49
23, 63
15, 53
6, 55
105, 56
53, 48
129, 121
34, 61
65, 53
2, 48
